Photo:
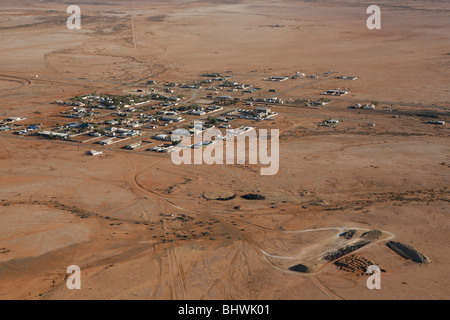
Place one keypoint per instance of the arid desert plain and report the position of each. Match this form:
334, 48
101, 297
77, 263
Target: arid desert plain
364, 151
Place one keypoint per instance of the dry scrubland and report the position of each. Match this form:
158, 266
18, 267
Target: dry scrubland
141, 228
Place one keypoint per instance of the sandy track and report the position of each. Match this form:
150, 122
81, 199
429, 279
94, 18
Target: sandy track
23, 82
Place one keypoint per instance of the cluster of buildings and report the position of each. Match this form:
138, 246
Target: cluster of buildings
347, 78
277, 79
27, 130
80, 113
436, 122
109, 119
121, 133
54, 135
274, 100
258, 114
163, 148
314, 103
10, 124
365, 107
329, 123
134, 145
114, 118
171, 117
173, 146
200, 111
336, 92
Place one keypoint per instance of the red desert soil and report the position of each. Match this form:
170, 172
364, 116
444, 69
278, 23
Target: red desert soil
141, 227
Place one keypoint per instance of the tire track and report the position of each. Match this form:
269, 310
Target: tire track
23, 82
158, 279
249, 275
173, 291
180, 270
330, 290
322, 288
173, 257
233, 264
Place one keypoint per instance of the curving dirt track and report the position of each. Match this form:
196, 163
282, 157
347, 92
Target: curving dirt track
330, 180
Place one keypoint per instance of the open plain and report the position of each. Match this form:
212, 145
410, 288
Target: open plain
140, 227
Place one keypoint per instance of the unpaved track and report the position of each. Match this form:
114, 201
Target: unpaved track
175, 269
332, 292
322, 288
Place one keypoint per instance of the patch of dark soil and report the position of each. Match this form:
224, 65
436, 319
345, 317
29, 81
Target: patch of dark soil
299, 268
252, 196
